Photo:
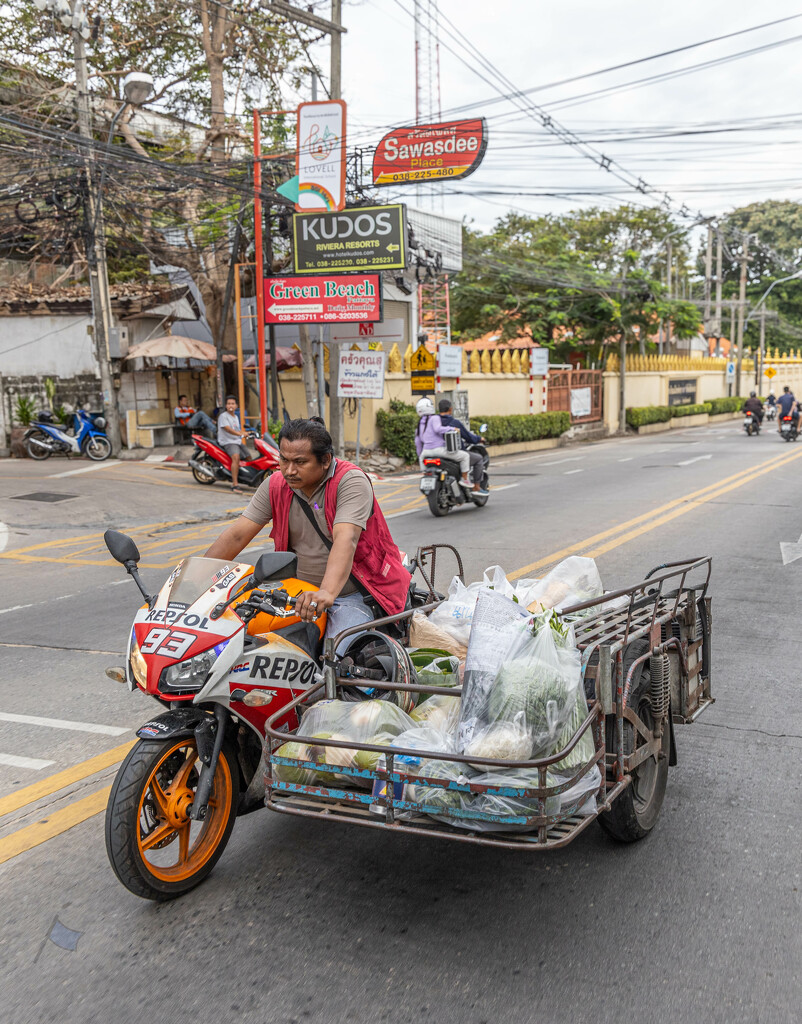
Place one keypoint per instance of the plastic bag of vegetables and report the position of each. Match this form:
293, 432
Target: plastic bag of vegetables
522, 710
455, 614
438, 712
370, 721
571, 581
511, 805
440, 670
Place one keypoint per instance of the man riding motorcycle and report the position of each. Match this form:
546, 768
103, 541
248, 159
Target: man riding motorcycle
323, 509
754, 405
448, 419
788, 406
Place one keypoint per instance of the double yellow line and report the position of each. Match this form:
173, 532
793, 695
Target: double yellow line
600, 543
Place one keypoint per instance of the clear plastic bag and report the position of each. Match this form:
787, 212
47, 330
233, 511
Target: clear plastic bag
503, 806
517, 705
581, 798
585, 748
572, 581
371, 721
437, 671
495, 579
438, 712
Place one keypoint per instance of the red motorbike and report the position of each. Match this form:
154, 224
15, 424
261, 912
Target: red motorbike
210, 462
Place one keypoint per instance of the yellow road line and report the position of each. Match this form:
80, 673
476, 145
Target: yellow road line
59, 780
53, 825
571, 549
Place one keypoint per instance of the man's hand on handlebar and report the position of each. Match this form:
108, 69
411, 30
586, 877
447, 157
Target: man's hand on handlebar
312, 603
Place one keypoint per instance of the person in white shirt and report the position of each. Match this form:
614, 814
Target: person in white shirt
229, 437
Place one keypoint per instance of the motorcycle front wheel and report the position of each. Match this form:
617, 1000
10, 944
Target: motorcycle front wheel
97, 447
156, 850
439, 502
34, 450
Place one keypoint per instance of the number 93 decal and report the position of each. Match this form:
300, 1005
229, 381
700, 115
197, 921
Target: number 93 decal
168, 643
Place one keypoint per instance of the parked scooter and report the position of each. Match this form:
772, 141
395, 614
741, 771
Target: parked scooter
210, 462
751, 423
441, 481
88, 437
789, 428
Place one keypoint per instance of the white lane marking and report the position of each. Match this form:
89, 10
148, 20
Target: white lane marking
570, 472
85, 469
504, 487
61, 723
699, 458
3, 536
790, 552
19, 607
557, 462
24, 762
631, 457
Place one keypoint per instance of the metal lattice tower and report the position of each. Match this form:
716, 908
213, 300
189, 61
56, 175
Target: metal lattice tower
427, 61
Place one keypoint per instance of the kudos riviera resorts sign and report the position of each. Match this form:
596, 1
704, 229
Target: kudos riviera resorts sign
430, 152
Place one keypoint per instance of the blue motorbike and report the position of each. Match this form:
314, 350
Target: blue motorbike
87, 437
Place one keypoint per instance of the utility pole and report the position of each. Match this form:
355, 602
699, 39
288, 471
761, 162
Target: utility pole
96, 250
744, 259
335, 92
622, 384
669, 257
718, 290
708, 283
759, 361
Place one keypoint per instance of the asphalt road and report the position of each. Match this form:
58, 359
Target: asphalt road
312, 922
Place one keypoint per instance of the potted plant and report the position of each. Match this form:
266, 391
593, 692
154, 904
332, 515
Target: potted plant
24, 414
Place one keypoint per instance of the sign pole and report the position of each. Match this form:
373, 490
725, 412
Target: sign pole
238, 322
260, 268
358, 427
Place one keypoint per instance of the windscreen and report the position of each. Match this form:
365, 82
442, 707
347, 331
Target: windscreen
195, 575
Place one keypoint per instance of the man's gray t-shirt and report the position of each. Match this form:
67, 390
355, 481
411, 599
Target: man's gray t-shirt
230, 420
354, 505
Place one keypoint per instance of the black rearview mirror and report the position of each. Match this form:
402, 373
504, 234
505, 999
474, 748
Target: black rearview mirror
121, 547
275, 565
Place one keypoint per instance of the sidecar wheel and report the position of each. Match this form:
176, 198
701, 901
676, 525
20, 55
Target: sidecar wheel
156, 850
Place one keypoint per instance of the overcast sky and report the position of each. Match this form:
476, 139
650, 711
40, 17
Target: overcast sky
535, 43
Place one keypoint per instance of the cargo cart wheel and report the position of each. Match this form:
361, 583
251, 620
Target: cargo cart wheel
635, 812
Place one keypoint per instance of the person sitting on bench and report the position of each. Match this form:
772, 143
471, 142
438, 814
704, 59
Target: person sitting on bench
191, 418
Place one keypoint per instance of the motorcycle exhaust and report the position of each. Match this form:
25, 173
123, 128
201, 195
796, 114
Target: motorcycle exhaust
203, 470
42, 444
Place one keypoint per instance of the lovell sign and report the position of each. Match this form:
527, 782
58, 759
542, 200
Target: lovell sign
334, 299
320, 160
430, 152
359, 238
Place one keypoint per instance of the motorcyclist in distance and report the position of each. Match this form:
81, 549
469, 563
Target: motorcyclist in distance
448, 419
788, 405
754, 405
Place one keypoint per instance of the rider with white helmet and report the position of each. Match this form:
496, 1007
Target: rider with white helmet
429, 439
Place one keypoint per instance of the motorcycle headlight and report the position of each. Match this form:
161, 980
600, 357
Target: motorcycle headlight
190, 674
100, 422
138, 665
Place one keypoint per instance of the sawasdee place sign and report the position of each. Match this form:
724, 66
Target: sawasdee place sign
429, 152
359, 238
335, 299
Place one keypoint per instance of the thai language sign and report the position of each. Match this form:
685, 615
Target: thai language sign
430, 152
361, 375
320, 159
334, 299
359, 238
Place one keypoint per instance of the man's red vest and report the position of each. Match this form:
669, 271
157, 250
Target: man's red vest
377, 560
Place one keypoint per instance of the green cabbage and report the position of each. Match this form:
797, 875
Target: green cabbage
585, 749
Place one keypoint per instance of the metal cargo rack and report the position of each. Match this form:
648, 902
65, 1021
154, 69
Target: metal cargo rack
665, 619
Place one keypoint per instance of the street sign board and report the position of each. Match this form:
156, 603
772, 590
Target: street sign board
359, 238
361, 375
449, 360
337, 298
388, 332
769, 372
340, 298
730, 369
320, 156
430, 152
423, 365
682, 392
539, 362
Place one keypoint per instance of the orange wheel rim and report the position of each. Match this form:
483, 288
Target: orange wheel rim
172, 845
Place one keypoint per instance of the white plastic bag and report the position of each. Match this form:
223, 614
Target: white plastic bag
572, 581
438, 712
496, 579
455, 614
581, 798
